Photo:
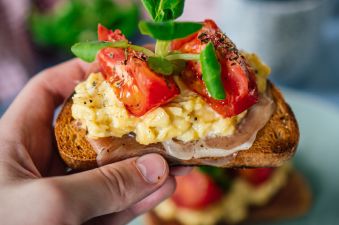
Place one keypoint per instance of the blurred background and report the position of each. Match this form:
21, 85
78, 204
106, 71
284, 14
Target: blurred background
299, 39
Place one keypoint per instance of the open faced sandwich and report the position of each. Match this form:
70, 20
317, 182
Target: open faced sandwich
212, 196
196, 99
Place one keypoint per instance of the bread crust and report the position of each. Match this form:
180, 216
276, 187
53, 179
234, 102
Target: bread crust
292, 201
275, 143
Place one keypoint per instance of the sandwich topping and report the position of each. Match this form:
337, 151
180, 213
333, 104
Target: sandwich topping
186, 126
195, 91
111, 105
187, 117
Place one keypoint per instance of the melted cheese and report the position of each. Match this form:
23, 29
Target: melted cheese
233, 207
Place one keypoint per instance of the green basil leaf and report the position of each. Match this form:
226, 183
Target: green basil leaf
160, 65
167, 31
151, 7
211, 72
87, 51
178, 65
164, 10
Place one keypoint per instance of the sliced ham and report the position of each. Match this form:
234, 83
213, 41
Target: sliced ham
114, 149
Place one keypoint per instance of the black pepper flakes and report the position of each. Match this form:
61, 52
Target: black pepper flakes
168, 84
233, 58
126, 54
203, 35
140, 55
117, 84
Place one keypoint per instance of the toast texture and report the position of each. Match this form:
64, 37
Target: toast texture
292, 201
275, 143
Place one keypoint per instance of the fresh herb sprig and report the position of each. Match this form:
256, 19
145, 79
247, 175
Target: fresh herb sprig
164, 10
211, 72
164, 29
87, 51
167, 31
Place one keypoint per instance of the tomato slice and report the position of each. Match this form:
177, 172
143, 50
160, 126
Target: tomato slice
105, 34
134, 83
237, 77
195, 191
256, 176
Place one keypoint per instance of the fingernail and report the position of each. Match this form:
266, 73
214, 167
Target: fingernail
152, 167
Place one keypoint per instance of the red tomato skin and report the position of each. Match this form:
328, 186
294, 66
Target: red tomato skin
237, 77
196, 191
257, 176
137, 86
134, 83
105, 34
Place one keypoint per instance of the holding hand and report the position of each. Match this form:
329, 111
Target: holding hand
33, 186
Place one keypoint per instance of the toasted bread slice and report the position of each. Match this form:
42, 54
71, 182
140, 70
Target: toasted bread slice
292, 201
274, 144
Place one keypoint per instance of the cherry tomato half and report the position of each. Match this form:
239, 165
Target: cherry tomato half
196, 190
138, 87
237, 77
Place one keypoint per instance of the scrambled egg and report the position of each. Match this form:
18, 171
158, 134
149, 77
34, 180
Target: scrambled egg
186, 118
261, 70
233, 207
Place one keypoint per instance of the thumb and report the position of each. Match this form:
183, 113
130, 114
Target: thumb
114, 187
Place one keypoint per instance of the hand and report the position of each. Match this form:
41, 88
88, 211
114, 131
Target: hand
33, 186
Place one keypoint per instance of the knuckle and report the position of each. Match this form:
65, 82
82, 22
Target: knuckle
53, 195
38, 80
116, 185
53, 192
45, 72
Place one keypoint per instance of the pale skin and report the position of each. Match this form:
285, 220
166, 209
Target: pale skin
34, 187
